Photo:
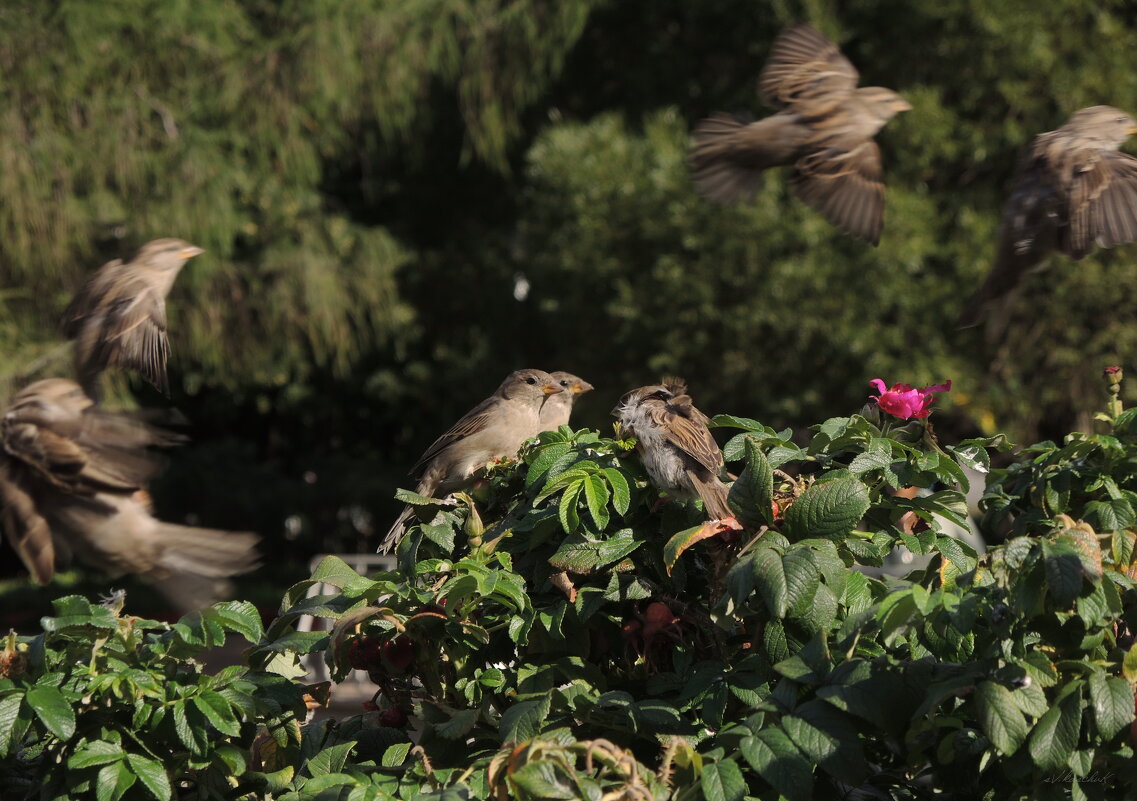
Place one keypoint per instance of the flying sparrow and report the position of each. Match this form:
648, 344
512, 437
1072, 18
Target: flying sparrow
72, 483
1072, 190
118, 318
494, 429
824, 129
558, 408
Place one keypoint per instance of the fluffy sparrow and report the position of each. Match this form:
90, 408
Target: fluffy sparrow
558, 408
676, 447
72, 483
494, 429
825, 130
1072, 190
118, 318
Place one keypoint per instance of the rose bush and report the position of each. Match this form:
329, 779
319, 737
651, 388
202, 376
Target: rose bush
557, 633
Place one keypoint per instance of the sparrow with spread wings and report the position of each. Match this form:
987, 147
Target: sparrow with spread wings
1072, 190
118, 318
73, 484
824, 129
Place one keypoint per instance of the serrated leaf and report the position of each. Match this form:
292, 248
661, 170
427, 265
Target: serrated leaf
1111, 699
1056, 733
826, 735
152, 774
546, 457
218, 712
1063, 572
567, 512
523, 720
1002, 721
621, 493
113, 781
770, 578
596, 497
683, 540
752, 494
9, 715
53, 710
578, 554
828, 509
395, 755
802, 578
771, 753
96, 752
722, 781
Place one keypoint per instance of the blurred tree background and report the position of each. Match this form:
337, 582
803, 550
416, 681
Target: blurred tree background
403, 200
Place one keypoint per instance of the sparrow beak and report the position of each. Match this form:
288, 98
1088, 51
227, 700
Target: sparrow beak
188, 253
900, 104
581, 388
1132, 130
551, 389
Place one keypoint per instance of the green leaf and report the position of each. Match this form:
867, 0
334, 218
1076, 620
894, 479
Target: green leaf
1063, 572
335, 571
53, 710
113, 781
97, 752
596, 497
460, 724
827, 736
771, 753
1056, 733
683, 540
395, 755
579, 554
722, 781
828, 509
1111, 699
218, 712
1001, 719
152, 774
770, 578
546, 457
330, 760
752, 495
1129, 664
566, 510
802, 578
621, 494
542, 779
523, 720
9, 715
239, 616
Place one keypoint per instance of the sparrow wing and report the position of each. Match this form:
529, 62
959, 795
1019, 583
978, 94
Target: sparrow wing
1102, 203
26, 529
475, 420
685, 427
846, 186
805, 67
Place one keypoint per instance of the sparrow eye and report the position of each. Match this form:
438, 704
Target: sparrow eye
564, 383
530, 380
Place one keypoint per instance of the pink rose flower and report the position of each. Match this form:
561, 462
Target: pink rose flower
904, 401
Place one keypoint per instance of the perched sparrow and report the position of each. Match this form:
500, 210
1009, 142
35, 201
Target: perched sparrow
1072, 190
557, 409
494, 429
119, 316
72, 480
825, 130
675, 445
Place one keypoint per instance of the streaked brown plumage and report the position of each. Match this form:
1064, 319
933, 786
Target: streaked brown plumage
825, 130
1072, 191
676, 447
494, 429
557, 410
72, 483
118, 318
